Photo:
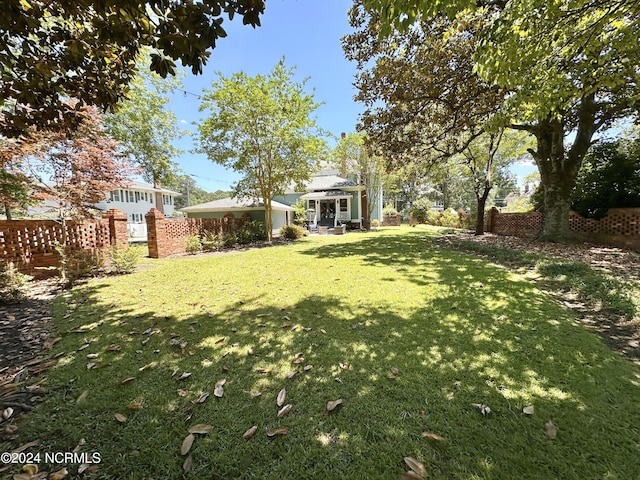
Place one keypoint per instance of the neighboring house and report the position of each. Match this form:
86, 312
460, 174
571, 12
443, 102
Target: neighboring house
136, 200
281, 214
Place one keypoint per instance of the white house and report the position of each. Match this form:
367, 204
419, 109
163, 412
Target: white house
136, 200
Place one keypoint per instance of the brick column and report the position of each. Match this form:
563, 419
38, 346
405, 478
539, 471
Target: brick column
156, 233
491, 220
118, 233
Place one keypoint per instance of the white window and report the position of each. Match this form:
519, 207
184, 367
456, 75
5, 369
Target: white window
344, 205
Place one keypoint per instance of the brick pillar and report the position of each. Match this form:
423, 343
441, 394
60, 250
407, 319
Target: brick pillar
491, 220
158, 195
156, 233
118, 233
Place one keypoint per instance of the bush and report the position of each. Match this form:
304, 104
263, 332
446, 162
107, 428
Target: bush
124, 260
228, 239
192, 244
389, 211
292, 232
375, 223
450, 218
251, 232
300, 214
211, 242
432, 217
420, 209
12, 284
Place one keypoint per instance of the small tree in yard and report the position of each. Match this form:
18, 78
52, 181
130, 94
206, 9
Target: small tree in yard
71, 172
261, 127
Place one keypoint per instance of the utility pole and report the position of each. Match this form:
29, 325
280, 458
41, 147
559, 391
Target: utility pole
187, 178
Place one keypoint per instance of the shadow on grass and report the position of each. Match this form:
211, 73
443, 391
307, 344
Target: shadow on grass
476, 335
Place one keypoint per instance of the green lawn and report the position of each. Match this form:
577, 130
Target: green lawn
355, 308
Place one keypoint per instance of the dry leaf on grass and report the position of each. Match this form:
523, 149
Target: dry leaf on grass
218, 391
127, 380
58, 475
551, 430
278, 431
201, 428
203, 396
182, 392
395, 371
484, 409
80, 398
184, 375
307, 368
186, 444
284, 410
433, 436
8, 412
528, 410
416, 466
186, 466
332, 405
249, 433
282, 395
30, 469
120, 417
410, 475
290, 375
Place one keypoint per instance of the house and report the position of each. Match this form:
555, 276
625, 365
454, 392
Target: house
281, 214
330, 200
136, 200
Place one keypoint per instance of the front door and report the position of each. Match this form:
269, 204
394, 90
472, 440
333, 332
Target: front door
327, 213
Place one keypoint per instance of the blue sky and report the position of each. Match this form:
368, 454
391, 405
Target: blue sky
307, 33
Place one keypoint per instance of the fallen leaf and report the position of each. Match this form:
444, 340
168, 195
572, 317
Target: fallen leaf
249, 351
221, 382
147, 366
343, 366
218, 391
433, 436
90, 365
186, 444
82, 396
24, 446
484, 409
186, 466
203, 396
284, 410
10, 429
22, 476
6, 413
410, 475
395, 371
201, 428
113, 348
182, 392
297, 360
249, 433
416, 466
120, 417
30, 468
127, 380
281, 397
278, 431
220, 340
528, 410
332, 406
290, 375
551, 430
82, 347
262, 370
322, 330
92, 356
59, 475
135, 405
184, 375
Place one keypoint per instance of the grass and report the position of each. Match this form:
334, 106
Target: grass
458, 330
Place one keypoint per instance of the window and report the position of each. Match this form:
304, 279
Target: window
312, 204
344, 205
137, 194
115, 196
131, 198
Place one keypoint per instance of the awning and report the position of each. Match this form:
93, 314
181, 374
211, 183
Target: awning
328, 195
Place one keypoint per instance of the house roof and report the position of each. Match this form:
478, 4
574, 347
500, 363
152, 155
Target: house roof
328, 182
230, 204
327, 194
149, 188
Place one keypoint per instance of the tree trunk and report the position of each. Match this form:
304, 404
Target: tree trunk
7, 211
268, 219
482, 202
559, 168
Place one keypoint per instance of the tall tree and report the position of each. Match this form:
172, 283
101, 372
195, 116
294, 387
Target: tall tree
145, 126
53, 50
571, 68
191, 193
351, 156
262, 128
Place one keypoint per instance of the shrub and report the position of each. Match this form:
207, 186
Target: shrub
251, 232
228, 239
420, 209
300, 214
292, 232
192, 244
12, 284
124, 260
389, 211
432, 217
450, 218
375, 223
211, 242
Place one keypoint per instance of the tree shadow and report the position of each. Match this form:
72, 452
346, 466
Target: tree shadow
473, 335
